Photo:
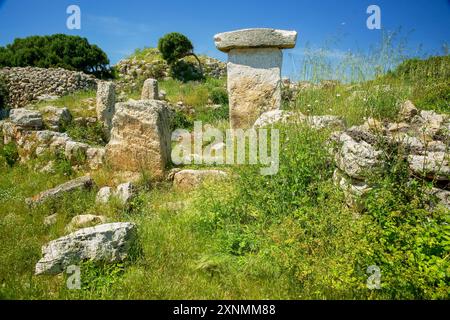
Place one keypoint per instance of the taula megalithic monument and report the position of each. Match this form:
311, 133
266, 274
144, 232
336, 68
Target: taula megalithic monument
254, 71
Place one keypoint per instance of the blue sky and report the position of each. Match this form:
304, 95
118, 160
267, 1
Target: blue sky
119, 27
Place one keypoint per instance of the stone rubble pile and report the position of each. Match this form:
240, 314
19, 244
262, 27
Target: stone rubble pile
423, 137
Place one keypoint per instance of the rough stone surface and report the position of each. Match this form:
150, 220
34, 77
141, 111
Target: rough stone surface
65, 188
106, 99
354, 190
29, 84
272, 117
108, 243
356, 158
150, 90
103, 195
55, 118
126, 192
27, 119
255, 38
321, 122
84, 221
254, 84
140, 137
50, 220
433, 165
190, 179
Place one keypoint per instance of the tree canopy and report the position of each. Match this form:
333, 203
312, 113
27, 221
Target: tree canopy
58, 50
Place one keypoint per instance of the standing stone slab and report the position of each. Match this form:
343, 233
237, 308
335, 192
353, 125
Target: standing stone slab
106, 99
150, 90
254, 71
140, 137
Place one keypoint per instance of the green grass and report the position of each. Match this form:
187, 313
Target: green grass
287, 236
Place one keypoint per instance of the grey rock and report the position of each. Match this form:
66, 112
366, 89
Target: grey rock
65, 188
27, 119
108, 243
190, 179
356, 159
255, 38
125, 192
55, 118
104, 195
433, 165
84, 221
150, 90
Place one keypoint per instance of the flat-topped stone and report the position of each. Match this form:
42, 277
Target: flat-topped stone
255, 38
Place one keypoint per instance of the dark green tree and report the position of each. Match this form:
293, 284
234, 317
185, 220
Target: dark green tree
58, 50
175, 46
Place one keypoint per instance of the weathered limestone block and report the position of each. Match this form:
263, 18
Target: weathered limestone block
108, 243
150, 90
55, 118
433, 165
140, 137
106, 99
254, 71
27, 119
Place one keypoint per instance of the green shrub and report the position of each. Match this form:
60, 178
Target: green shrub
175, 46
93, 134
58, 50
10, 153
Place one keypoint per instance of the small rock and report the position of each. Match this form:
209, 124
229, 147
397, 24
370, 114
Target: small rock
407, 111
70, 186
104, 195
126, 192
84, 221
51, 220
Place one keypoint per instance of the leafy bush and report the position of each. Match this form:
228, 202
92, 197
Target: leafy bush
175, 46
10, 153
58, 50
93, 134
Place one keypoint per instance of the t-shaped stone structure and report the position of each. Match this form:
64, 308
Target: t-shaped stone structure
254, 71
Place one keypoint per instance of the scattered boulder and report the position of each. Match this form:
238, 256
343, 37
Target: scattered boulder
65, 188
140, 137
354, 190
103, 195
407, 111
108, 243
50, 220
190, 179
84, 221
26, 119
126, 192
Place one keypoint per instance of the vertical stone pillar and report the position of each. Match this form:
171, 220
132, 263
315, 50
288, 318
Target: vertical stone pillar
106, 99
254, 71
150, 90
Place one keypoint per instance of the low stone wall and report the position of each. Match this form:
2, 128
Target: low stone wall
29, 84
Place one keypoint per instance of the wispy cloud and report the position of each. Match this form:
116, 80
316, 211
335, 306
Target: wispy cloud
116, 26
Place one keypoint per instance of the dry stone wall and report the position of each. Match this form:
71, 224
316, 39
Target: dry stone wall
28, 84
